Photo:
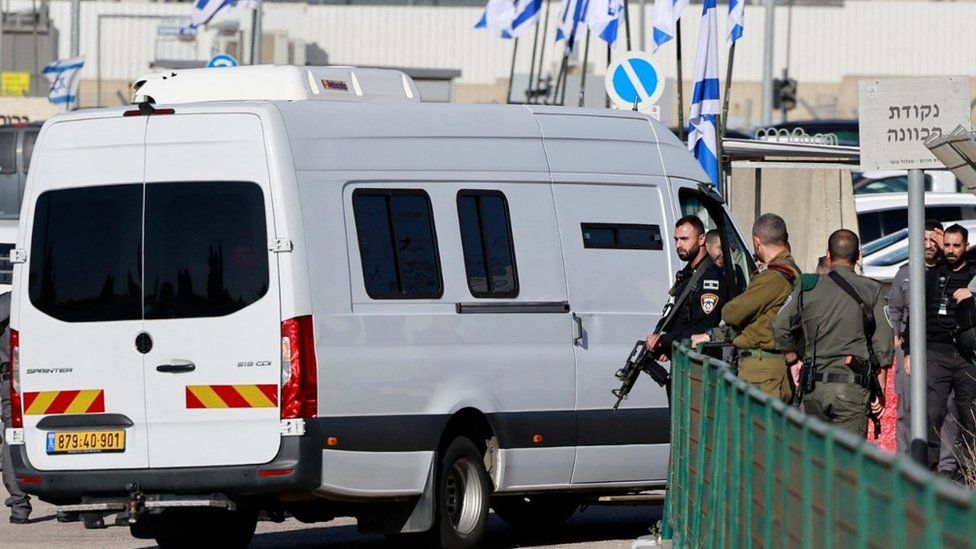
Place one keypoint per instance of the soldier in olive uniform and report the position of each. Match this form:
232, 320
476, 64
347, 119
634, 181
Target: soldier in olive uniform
749, 317
832, 323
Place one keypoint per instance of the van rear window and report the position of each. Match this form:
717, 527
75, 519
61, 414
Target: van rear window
85, 256
204, 251
206, 248
397, 244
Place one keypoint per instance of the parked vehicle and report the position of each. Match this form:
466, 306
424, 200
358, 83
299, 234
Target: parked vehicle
847, 131
896, 181
882, 214
300, 290
882, 264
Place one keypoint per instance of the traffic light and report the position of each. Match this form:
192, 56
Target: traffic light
784, 94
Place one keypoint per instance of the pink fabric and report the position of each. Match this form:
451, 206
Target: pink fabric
888, 439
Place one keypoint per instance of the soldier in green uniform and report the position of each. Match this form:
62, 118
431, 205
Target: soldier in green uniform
835, 327
749, 317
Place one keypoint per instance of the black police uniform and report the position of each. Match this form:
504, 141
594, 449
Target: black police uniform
701, 310
947, 371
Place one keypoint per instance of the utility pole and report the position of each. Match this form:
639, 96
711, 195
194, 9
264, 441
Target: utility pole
640, 26
75, 27
916, 310
767, 82
256, 34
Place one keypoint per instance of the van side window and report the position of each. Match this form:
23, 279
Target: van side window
486, 236
86, 253
622, 236
395, 229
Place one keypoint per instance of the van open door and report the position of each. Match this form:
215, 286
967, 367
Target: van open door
212, 303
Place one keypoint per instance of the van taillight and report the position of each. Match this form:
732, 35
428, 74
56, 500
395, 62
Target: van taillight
16, 414
299, 380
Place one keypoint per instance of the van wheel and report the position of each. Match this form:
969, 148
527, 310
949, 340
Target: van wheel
461, 516
535, 512
206, 529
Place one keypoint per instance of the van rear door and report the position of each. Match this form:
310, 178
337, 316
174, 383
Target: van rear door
80, 310
211, 293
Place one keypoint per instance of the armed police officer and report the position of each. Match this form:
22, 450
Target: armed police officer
749, 317
848, 343
698, 294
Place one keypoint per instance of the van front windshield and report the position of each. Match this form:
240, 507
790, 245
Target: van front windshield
204, 250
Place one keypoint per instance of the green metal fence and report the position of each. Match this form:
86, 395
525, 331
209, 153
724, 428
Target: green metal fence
749, 471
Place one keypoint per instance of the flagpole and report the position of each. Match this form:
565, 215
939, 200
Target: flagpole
586, 57
609, 60
627, 22
542, 53
511, 75
531, 86
256, 33
681, 87
723, 120
565, 73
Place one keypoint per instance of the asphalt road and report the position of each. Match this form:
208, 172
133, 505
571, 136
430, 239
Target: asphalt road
596, 527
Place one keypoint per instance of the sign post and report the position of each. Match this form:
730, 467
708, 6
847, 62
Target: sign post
895, 118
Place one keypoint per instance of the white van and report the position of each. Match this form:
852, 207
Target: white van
325, 298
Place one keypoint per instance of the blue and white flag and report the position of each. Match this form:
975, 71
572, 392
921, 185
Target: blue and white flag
736, 21
509, 18
204, 11
570, 20
605, 18
705, 104
666, 15
63, 75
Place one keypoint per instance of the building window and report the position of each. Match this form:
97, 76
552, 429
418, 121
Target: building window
395, 228
622, 236
486, 236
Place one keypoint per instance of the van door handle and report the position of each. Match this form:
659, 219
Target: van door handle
176, 367
577, 330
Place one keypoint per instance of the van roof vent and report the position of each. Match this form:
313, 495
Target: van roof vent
274, 83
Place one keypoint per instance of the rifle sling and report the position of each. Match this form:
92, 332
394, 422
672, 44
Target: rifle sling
676, 305
866, 311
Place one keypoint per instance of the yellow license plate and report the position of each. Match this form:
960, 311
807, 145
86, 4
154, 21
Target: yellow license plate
85, 442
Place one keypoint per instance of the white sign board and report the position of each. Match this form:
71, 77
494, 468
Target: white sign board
634, 78
897, 116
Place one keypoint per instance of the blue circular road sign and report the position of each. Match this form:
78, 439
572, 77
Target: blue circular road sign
634, 78
222, 60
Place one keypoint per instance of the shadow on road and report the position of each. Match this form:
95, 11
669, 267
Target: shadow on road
589, 528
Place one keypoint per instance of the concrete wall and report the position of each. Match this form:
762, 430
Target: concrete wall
814, 200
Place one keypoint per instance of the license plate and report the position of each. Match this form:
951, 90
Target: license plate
85, 442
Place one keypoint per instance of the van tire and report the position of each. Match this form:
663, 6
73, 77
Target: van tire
462, 492
230, 529
534, 512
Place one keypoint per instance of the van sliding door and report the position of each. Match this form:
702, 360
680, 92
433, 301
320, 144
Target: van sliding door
618, 270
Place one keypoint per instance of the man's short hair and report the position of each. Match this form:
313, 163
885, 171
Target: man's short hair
695, 223
844, 245
713, 236
960, 230
933, 225
771, 229
822, 262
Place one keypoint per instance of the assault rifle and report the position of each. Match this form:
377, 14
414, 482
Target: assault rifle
640, 360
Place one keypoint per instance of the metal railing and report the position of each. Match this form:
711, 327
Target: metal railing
749, 471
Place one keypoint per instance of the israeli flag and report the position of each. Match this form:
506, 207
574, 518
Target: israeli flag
736, 21
605, 17
705, 104
666, 15
509, 18
570, 20
204, 11
63, 75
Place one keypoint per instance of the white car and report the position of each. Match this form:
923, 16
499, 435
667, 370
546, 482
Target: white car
883, 264
882, 214
896, 181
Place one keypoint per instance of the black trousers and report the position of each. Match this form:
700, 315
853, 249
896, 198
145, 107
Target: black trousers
947, 372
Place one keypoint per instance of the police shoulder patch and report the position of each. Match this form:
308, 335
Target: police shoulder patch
710, 284
708, 303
